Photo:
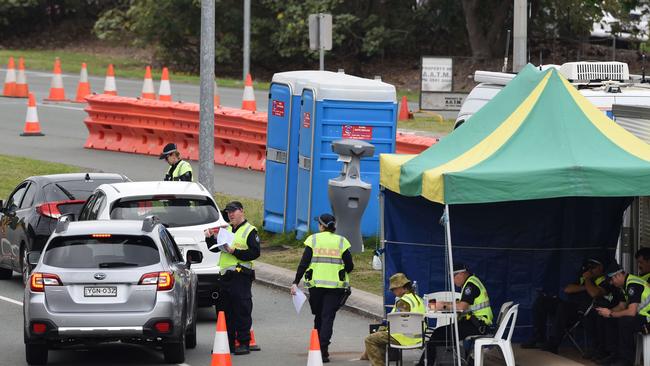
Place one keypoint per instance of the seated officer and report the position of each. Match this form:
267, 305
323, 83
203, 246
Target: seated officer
579, 296
405, 301
474, 319
632, 315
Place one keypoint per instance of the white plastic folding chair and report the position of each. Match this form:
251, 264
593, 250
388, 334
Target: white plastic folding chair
498, 340
642, 347
408, 324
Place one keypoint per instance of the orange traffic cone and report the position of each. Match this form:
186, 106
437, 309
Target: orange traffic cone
57, 93
147, 87
10, 80
83, 88
220, 348
165, 89
22, 90
217, 98
404, 110
248, 100
315, 358
109, 84
32, 127
253, 346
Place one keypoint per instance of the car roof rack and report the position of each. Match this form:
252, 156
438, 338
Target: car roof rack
62, 224
149, 223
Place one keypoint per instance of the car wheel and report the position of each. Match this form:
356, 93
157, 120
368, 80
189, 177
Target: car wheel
5, 274
174, 352
190, 338
25, 266
36, 354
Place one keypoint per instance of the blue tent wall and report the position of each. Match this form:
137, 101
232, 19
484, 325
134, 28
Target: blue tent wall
517, 248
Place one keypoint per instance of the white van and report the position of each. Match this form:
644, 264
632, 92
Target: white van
603, 83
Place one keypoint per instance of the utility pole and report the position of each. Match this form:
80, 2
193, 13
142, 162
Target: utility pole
206, 96
520, 33
247, 37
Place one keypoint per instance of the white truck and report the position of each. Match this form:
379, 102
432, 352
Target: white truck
603, 83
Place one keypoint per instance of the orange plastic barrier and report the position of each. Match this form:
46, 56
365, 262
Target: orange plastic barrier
144, 126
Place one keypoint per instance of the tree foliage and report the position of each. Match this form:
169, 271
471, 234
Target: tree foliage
363, 29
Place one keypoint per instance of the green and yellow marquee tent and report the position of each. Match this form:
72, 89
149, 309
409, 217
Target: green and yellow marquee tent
538, 138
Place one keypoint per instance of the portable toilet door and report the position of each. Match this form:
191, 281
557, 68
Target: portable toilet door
304, 184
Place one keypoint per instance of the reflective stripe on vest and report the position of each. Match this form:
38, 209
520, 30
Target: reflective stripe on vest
327, 260
481, 307
644, 306
227, 261
417, 306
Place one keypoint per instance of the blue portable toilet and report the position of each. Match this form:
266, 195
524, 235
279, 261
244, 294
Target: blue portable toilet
282, 149
336, 106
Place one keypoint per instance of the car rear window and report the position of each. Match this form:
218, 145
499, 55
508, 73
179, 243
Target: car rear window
108, 251
74, 189
172, 211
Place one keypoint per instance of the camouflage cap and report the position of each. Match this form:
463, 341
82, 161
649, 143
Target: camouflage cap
398, 280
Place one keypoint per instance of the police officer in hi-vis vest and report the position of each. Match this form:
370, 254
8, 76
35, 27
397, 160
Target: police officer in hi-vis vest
237, 275
475, 313
179, 170
406, 301
325, 265
632, 315
643, 263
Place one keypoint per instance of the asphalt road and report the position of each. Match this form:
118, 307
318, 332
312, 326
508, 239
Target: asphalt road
283, 336
65, 134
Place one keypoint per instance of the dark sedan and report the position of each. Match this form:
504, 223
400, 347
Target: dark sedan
29, 215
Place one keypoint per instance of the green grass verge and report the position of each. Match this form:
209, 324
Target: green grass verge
281, 250
428, 122
125, 67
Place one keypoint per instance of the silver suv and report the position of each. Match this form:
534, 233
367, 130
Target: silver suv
107, 281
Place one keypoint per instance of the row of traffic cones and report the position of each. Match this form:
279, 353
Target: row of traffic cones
221, 349
16, 85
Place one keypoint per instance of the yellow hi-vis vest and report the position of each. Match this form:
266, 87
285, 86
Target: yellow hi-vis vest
481, 307
644, 307
181, 168
327, 260
645, 277
227, 261
417, 306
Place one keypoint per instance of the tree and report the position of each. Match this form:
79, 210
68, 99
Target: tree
485, 21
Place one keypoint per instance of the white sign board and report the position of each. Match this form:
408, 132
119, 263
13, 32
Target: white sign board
437, 74
442, 101
320, 31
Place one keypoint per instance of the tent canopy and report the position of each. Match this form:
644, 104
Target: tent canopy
538, 138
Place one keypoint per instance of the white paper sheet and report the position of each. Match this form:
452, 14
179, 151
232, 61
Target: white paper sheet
298, 300
224, 237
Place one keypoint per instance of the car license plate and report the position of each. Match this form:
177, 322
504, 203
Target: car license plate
108, 291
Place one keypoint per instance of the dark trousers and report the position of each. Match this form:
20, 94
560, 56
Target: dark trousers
628, 327
445, 335
324, 303
563, 314
606, 335
237, 302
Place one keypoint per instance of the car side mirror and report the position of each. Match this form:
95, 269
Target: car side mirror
33, 258
11, 210
193, 257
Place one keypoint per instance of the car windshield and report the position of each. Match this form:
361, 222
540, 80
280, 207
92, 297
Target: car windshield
105, 251
172, 211
74, 189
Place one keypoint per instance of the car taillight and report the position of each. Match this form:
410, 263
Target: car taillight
163, 280
38, 281
51, 209
163, 327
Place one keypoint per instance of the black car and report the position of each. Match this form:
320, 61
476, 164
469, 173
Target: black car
31, 212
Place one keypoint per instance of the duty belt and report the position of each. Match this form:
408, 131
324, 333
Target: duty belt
232, 268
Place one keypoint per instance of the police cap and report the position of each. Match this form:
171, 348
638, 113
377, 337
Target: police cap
233, 206
167, 150
613, 269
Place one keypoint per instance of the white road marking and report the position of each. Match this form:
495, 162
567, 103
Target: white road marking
15, 302
59, 106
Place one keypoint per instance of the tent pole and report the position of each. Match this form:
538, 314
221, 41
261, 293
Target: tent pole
451, 281
382, 243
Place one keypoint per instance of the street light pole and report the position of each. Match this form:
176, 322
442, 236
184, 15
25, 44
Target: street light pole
247, 37
206, 96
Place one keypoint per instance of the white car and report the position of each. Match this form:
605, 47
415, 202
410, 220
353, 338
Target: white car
185, 208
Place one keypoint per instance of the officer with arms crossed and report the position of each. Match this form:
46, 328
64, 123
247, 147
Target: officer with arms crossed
325, 264
632, 315
237, 275
405, 301
474, 305
179, 170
